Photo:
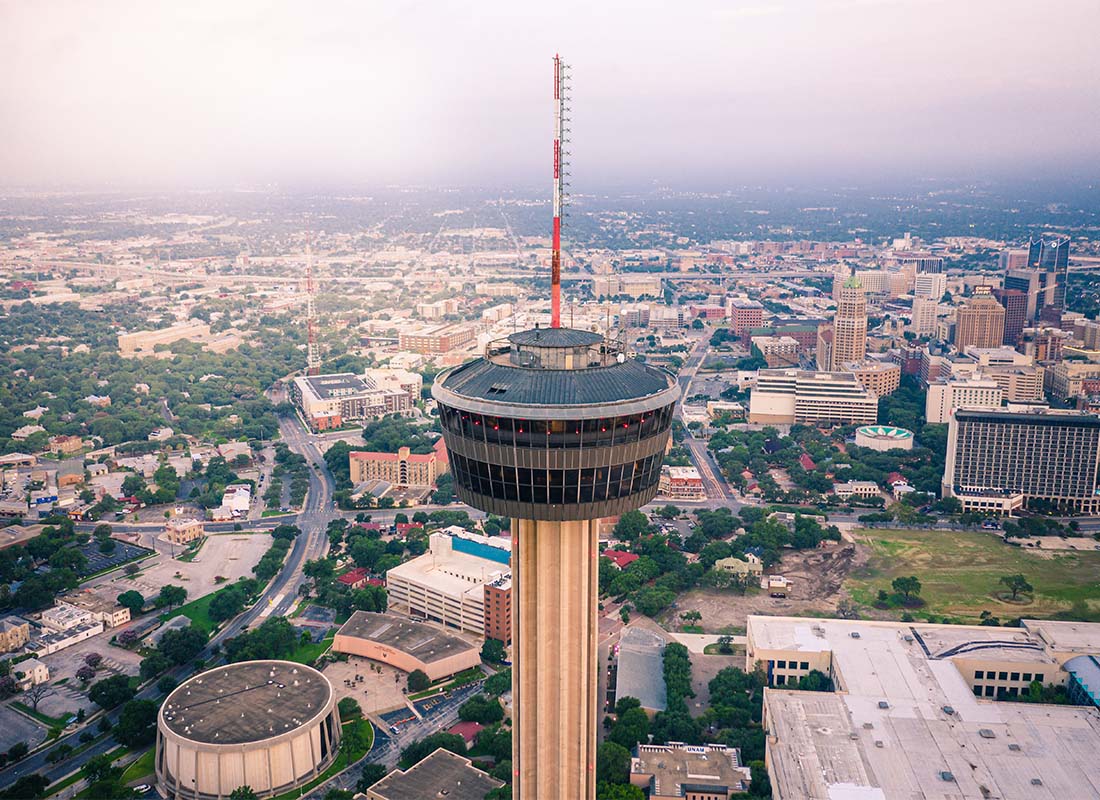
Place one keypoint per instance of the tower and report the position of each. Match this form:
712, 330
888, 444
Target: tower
313, 356
849, 325
555, 428
981, 322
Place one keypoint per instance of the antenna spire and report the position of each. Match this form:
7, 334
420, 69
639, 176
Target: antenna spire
560, 120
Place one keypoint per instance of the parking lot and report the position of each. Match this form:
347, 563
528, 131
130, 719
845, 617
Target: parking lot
123, 552
68, 697
229, 555
15, 728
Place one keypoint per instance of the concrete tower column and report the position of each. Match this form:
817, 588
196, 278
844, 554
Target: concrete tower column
555, 570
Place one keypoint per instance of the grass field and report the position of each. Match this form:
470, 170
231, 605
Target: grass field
308, 653
198, 611
960, 573
141, 768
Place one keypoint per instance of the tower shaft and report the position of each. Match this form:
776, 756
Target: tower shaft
555, 567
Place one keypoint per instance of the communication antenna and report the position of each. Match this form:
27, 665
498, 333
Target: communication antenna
560, 154
313, 355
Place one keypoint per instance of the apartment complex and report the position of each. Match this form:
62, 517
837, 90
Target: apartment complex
1001, 460
981, 322
400, 469
462, 582
801, 396
943, 397
916, 710
437, 340
329, 401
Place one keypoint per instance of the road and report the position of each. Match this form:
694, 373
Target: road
715, 484
278, 597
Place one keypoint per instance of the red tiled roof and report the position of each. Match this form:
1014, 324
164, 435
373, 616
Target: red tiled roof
621, 559
807, 462
895, 477
403, 528
467, 730
353, 576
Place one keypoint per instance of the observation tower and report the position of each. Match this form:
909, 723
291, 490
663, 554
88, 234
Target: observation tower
555, 428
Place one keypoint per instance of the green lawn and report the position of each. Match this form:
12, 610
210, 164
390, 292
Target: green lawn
461, 679
308, 653
142, 768
960, 573
38, 715
197, 611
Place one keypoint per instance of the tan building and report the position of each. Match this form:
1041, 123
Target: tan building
677, 771
14, 633
981, 322
681, 483
943, 397
752, 565
441, 775
182, 531
849, 325
143, 342
400, 469
406, 645
1021, 384
269, 725
1066, 379
439, 340
778, 351
30, 672
109, 612
880, 377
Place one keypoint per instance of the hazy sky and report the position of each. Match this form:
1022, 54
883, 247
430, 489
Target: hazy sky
191, 92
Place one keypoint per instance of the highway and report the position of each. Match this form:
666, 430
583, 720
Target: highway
278, 597
717, 489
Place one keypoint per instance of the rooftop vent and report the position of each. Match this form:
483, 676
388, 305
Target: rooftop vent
868, 725
1015, 748
947, 776
878, 743
854, 634
883, 704
948, 710
985, 733
1036, 781
907, 637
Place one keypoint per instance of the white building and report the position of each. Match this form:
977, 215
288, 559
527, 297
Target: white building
944, 397
789, 396
235, 502
930, 285
856, 489
59, 640
63, 616
446, 584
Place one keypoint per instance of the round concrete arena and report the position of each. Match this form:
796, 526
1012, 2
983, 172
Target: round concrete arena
269, 725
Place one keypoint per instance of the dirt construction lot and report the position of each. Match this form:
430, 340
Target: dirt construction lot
817, 577
230, 555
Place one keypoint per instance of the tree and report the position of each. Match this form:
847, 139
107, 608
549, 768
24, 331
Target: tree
725, 644
630, 728
372, 773
133, 601
498, 683
349, 709
36, 694
1016, 583
418, 681
85, 674
612, 763
167, 684
111, 692
623, 791
908, 588
631, 525
93, 660
481, 708
690, 617
171, 596
137, 724
243, 793
418, 751
154, 664
668, 512
29, 787
492, 651
183, 644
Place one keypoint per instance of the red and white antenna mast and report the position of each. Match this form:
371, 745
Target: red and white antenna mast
313, 356
560, 129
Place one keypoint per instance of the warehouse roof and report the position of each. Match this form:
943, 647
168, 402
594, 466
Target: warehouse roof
246, 702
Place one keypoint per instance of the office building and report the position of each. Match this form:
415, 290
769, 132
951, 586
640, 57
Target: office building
981, 322
1003, 459
1012, 259
943, 397
778, 351
924, 316
1015, 306
182, 531
330, 401
789, 396
636, 286
930, 286
681, 483
1051, 258
447, 583
918, 710
878, 377
677, 771
405, 645
401, 469
849, 326
1019, 384
556, 428
436, 340
1067, 379
744, 314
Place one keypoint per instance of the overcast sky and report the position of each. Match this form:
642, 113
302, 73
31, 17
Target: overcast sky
225, 92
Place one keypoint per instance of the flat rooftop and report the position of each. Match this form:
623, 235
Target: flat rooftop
641, 669
246, 702
426, 643
442, 774
905, 723
338, 385
678, 768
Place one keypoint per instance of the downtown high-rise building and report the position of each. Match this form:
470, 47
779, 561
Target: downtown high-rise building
849, 329
981, 322
1044, 278
1015, 306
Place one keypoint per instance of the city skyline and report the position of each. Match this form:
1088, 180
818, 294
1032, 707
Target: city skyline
121, 94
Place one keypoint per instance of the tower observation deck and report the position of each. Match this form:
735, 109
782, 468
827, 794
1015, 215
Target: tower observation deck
555, 428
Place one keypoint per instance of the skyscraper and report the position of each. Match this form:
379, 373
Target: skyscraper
981, 322
555, 428
1015, 306
1045, 278
849, 326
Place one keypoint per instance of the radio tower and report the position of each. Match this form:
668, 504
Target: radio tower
313, 356
560, 91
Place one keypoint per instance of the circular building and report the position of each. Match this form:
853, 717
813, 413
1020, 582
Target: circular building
555, 428
270, 725
884, 437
